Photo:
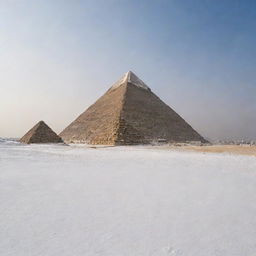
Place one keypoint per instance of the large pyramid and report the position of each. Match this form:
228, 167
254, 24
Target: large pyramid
129, 113
41, 133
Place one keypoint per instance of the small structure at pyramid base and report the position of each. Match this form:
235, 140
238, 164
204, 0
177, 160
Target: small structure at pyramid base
129, 113
41, 133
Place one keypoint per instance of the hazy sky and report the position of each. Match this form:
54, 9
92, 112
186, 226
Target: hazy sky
199, 56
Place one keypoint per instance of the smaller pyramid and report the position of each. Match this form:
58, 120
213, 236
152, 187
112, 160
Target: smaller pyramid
41, 133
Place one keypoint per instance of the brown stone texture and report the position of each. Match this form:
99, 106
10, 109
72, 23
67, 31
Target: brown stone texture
99, 123
153, 119
129, 114
41, 133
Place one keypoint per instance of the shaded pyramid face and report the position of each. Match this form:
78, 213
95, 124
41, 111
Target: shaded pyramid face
129, 113
41, 133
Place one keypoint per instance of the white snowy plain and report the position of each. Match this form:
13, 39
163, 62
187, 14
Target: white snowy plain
125, 201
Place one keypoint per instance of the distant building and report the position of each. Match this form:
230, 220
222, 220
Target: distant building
41, 133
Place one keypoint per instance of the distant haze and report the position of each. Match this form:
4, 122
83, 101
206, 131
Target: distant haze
199, 57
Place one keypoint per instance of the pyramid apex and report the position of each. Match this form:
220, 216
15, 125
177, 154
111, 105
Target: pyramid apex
130, 77
41, 123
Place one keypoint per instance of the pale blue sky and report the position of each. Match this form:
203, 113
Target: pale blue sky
57, 57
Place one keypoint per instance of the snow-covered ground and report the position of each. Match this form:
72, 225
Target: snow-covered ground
125, 201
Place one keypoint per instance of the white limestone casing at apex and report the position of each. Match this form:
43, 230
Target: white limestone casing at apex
130, 77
